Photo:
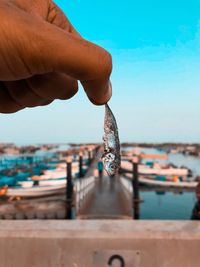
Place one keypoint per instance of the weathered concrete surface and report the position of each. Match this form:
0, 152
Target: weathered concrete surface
72, 243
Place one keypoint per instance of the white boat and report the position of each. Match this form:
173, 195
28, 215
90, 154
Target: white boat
146, 170
53, 182
165, 184
26, 184
53, 175
177, 184
60, 171
47, 190
35, 191
29, 184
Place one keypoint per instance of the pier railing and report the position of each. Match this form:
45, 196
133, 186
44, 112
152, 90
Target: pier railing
78, 189
83, 188
127, 185
131, 186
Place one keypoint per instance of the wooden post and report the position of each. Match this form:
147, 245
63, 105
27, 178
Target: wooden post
90, 156
31, 162
97, 149
80, 164
69, 189
136, 195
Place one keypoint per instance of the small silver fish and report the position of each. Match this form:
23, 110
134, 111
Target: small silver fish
111, 157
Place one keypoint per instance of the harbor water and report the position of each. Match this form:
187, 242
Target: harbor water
165, 204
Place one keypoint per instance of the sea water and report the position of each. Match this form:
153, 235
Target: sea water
164, 205
169, 205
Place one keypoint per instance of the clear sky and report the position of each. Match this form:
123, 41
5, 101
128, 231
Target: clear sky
156, 77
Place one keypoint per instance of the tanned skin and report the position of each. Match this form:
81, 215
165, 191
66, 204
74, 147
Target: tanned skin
42, 57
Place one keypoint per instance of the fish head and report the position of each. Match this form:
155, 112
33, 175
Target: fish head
110, 164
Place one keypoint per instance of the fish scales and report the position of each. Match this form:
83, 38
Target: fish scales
111, 157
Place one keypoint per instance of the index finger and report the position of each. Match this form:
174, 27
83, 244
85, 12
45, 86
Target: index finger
78, 58
96, 96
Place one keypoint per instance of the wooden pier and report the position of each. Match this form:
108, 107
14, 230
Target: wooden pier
107, 201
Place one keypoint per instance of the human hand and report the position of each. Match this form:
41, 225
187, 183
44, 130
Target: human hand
42, 56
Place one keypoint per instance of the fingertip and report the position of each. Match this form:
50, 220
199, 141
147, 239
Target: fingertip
99, 101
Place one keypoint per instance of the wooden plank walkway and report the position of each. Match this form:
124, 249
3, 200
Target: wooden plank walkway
108, 201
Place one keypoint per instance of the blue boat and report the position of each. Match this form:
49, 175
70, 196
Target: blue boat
9, 181
160, 178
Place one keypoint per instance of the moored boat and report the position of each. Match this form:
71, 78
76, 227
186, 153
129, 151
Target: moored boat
30, 183
164, 183
155, 170
35, 191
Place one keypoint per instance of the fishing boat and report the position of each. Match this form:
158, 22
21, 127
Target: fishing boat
7, 181
46, 189
60, 171
36, 191
30, 183
144, 180
156, 169
177, 184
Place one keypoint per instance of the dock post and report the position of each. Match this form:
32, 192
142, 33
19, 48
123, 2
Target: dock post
90, 156
96, 149
135, 184
80, 164
69, 189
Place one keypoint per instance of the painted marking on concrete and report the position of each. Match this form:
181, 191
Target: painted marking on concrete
116, 258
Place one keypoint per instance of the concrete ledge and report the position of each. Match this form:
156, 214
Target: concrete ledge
73, 243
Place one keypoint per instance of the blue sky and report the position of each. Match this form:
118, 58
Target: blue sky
156, 79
